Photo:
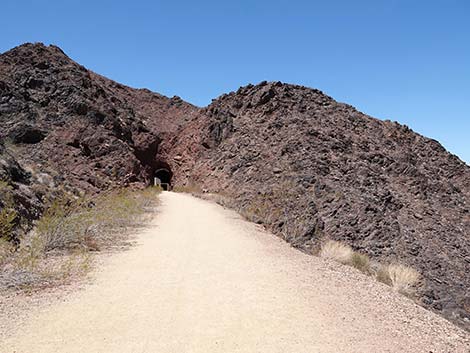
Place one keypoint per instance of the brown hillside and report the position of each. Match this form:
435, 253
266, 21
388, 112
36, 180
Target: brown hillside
311, 168
286, 156
72, 129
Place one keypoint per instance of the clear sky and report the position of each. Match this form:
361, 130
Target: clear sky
404, 60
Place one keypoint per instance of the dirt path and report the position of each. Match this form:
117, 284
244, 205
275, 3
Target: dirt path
203, 280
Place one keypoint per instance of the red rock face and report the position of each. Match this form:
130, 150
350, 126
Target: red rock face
94, 132
304, 165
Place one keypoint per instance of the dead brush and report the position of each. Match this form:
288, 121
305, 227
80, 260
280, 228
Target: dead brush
6, 251
344, 254
334, 250
94, 222
401, 278
255, 211
59, 247
63, 226
8, 214
361, 262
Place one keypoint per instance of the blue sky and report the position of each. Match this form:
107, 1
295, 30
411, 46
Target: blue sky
404, 60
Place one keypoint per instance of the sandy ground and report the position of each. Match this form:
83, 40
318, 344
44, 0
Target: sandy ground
203, 280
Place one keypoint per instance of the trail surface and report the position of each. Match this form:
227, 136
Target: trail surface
203, 280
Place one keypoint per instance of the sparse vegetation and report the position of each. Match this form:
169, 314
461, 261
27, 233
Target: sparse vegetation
262, 209
8, 214
6, 249
221, 198
342, 253
59, 247
272, 208
189, 189
382, 275
7, 222
400, 277
258, 209
361, 262
334, 250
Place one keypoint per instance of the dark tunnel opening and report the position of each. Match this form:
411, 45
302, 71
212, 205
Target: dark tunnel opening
162, 177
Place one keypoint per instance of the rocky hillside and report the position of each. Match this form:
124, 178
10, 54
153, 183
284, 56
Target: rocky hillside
68, 128
311, 168
286, 156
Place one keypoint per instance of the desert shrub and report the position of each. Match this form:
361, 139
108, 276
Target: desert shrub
344, 254
30, 252
361, 262
20, 268
60, 227
59, 246
337, 251
4, 187
123, 209
7, 222
257, 210
6, 251
63, 268
382, 275
31, 269
91, 223
400, 277
8, 214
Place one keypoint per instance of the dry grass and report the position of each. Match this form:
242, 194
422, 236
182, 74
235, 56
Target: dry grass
344, 254
30, 267
7, 222
59, 247
361, 262
337, 251
92, 223
382, 275
6, 250
259, 210
274, 207
8, 214
401, 278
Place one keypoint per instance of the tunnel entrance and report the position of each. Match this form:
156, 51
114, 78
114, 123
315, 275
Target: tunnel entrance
162, 177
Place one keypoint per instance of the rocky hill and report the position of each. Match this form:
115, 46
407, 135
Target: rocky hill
68, 128
286, 156
310, 168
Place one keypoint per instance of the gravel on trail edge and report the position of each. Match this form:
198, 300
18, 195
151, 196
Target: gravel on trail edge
201, 279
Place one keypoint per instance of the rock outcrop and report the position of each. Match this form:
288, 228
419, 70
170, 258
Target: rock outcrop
75, 130
295, 160
311, 168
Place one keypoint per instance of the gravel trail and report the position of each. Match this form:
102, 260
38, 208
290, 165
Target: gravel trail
203, 280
